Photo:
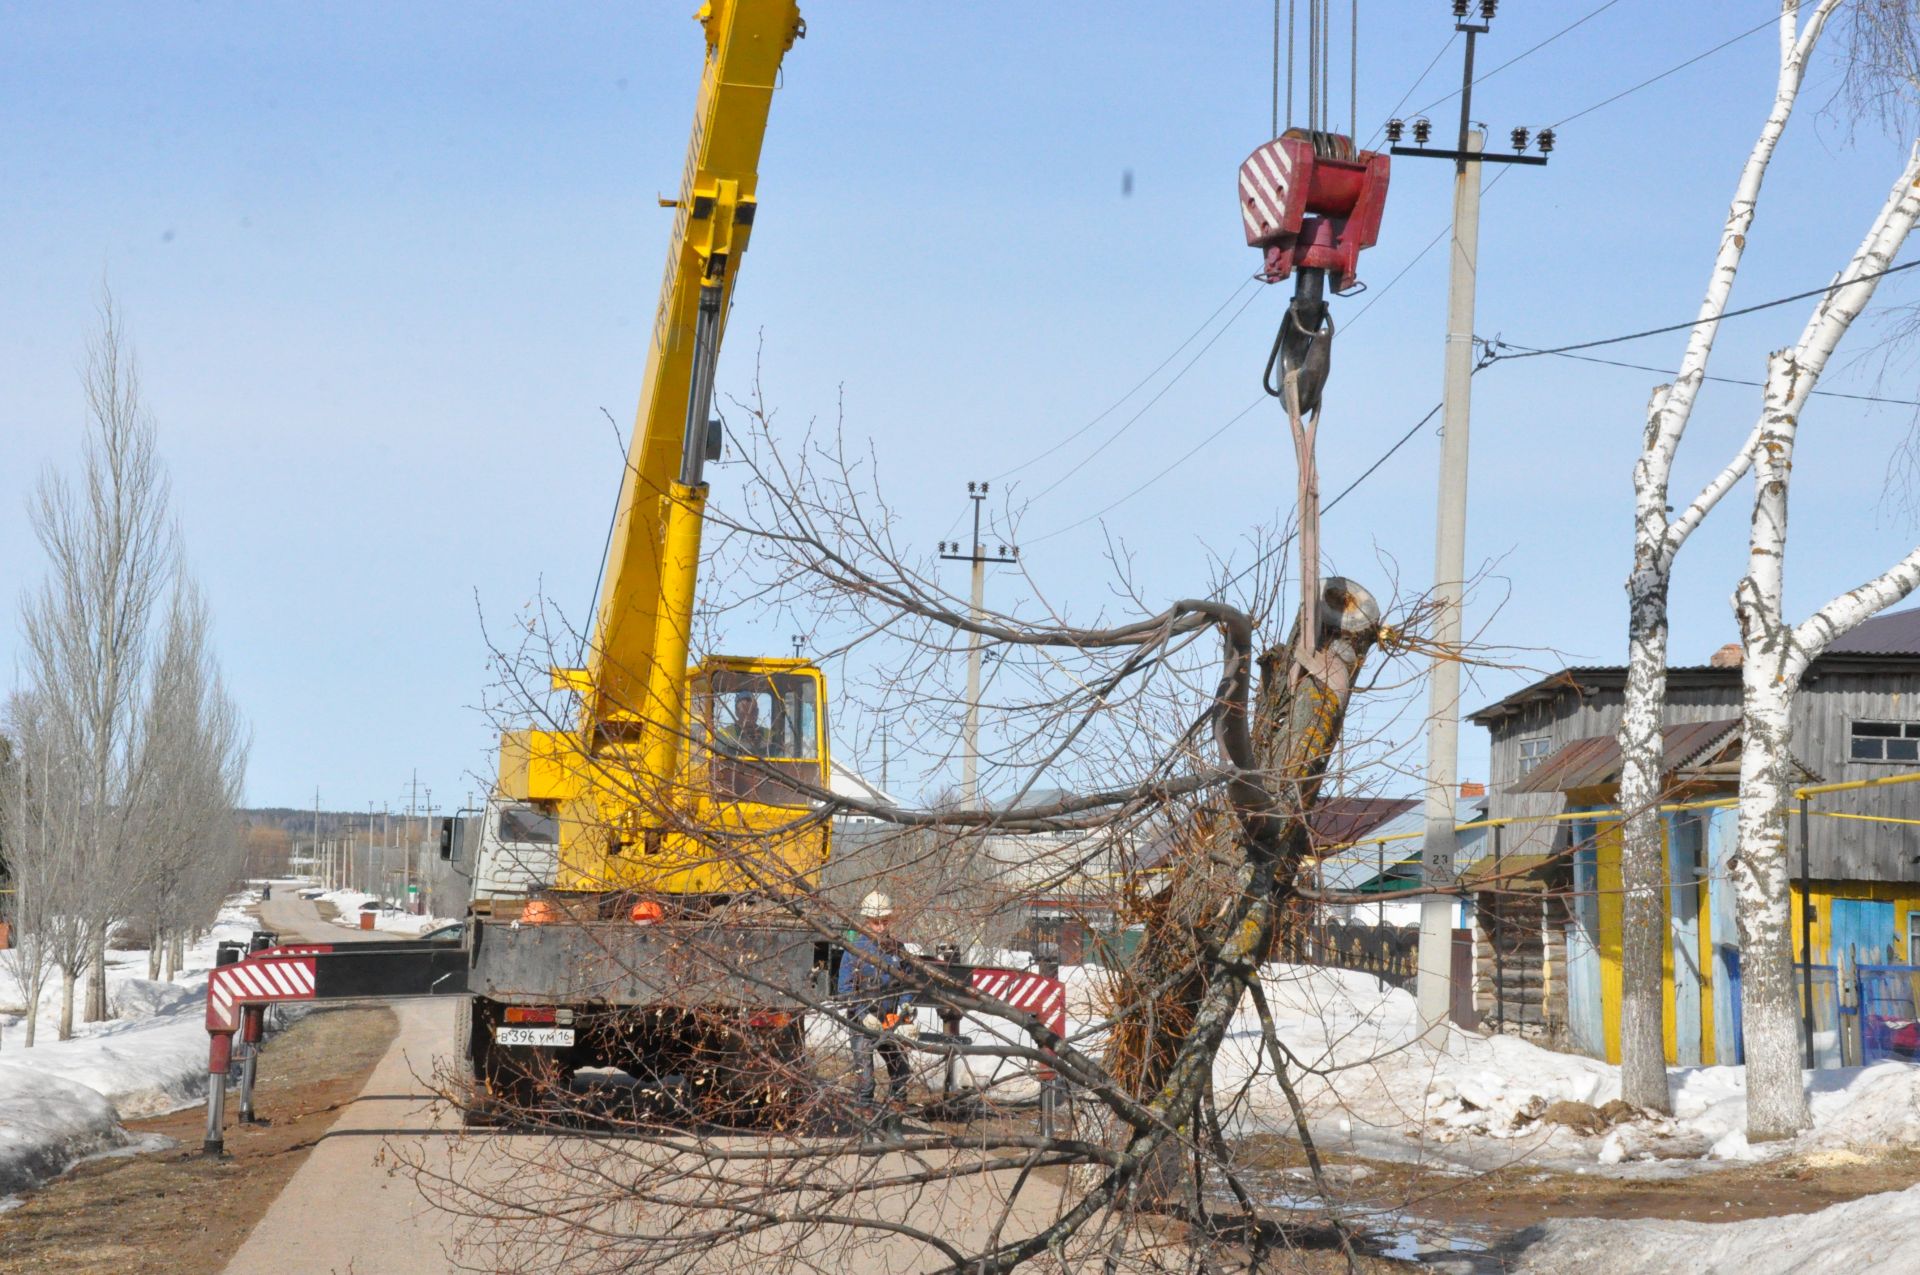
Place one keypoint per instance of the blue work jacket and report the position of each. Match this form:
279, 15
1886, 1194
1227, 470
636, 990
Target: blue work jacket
872, 979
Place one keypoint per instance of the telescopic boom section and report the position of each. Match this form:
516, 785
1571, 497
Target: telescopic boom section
634, 687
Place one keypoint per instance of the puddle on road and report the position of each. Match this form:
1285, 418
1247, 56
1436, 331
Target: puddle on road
1394, 1233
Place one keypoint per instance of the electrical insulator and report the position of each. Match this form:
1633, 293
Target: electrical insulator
1394, 130
1422, 130
1519, 136
1486, 9
1546, 140
1460, 8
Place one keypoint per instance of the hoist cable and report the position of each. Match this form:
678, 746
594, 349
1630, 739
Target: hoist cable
1353, 70
1275, 130
1292, 16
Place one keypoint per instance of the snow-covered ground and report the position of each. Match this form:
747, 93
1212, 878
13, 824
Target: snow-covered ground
389, 918
1376, 1087
64, 1100
1873, 1233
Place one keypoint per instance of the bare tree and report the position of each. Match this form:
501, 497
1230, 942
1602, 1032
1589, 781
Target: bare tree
130, 754
1178, 725
1658, 536
192, 769
1881, 62
31, 839
1776, 655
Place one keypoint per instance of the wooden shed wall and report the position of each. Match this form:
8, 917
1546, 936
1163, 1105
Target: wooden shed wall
1842, 849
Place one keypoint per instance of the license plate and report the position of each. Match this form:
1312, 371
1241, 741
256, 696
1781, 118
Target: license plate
548, 1036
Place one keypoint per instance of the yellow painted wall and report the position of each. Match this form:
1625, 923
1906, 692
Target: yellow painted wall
1905, 896
1607, 869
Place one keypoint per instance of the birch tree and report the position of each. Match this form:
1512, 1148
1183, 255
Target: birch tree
1657, 539
1776, 656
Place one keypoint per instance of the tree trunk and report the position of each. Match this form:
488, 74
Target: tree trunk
97, 980
156, 942
36, 959
1769, 676
1215, 909
1769, 993
1643, 1070
67, 980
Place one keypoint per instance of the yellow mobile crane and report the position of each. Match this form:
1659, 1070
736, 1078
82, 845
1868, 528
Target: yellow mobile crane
645, 832
642, 785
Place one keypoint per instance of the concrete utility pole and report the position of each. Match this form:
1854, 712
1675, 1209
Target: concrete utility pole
977, 555
1434, 978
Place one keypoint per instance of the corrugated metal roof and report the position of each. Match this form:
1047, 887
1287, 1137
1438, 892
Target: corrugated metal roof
1594, 761
1895, 633
1336, 821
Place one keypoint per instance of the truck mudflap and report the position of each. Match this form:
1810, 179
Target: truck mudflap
690, 964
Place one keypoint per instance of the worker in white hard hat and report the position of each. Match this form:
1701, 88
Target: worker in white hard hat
874, 989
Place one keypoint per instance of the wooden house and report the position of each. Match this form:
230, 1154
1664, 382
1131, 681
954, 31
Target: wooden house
1550, 889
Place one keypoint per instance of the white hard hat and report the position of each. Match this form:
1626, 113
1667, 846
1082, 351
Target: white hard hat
876, 906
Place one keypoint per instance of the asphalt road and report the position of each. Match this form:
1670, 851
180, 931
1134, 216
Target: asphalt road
346, 1209
357, 1205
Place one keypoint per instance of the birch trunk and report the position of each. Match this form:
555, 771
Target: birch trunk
154, 946
1776, 656
1656, 542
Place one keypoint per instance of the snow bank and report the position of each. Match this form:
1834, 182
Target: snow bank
389, 919
47, 1123
63, 1100
1377, 1085
1874, 1233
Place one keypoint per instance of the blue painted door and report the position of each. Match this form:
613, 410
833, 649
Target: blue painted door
1585, 1013
1861, 930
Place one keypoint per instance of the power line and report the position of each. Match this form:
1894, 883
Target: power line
1482, 79
1498, 344
1411, 88
1365, 474
1191, 453
1138, 385
1772, 21
1404, 270
1133, 420
1529, 353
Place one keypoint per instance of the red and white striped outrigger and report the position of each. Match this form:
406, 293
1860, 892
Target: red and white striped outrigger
1043, 997
238, 995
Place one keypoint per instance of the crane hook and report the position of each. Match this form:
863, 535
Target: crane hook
1303, 348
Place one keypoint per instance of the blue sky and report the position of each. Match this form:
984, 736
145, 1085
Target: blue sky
385, 265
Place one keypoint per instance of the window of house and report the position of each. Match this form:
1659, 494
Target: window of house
1884, 741
1913, 938
1533, 752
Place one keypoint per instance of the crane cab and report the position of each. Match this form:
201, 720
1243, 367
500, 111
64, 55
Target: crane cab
759, 731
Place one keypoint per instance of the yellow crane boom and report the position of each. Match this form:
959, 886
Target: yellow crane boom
629, 794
